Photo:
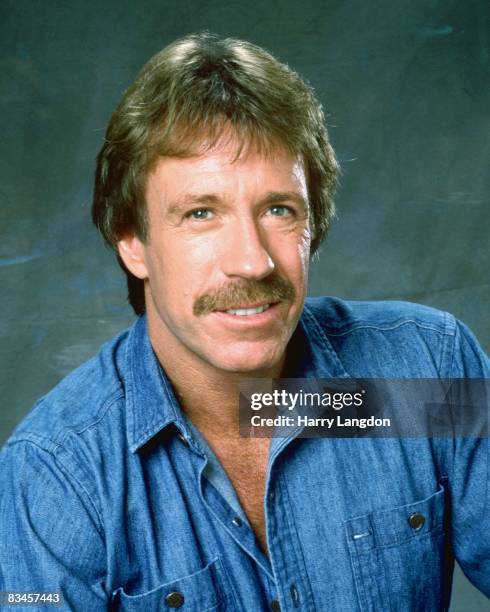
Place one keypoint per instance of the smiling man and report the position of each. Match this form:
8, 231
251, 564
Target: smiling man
128, 487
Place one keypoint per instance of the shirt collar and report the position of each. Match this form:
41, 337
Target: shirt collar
151, 402
310, 352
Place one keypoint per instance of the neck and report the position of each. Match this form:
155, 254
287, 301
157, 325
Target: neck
208, 395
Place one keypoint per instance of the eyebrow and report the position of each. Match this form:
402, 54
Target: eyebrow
272, 197
182, 204
277, 197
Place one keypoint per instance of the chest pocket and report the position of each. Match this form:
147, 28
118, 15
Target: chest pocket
205, 591
400, 557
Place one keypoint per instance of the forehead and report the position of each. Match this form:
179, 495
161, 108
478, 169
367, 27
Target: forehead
225, 168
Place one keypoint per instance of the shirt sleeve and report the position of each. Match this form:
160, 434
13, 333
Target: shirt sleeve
50, 539
470, 481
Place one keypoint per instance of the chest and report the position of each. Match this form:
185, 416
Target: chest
341, 510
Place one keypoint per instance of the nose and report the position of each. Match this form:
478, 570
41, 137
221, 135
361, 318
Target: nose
246, 254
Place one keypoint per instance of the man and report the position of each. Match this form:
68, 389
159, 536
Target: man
128, 487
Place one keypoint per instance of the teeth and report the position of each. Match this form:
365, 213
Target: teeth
246, 312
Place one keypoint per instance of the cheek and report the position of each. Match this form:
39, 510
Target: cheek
183, 270
292, 253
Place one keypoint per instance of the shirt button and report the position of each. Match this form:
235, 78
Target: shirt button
237, 521
416, 521
275, 607
174, 599
271, 496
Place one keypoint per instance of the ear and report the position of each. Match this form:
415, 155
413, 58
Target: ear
132, 252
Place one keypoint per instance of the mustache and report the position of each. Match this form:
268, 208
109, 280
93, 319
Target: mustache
270, 289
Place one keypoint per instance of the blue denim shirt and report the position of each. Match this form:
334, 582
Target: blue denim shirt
109, 495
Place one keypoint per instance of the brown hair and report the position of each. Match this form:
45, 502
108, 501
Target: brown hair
180, 104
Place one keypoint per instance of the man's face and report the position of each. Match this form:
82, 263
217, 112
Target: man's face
226, 259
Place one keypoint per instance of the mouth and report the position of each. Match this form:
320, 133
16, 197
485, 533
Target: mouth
251, 317
248, 311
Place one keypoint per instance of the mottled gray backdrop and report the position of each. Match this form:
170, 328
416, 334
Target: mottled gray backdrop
405, 84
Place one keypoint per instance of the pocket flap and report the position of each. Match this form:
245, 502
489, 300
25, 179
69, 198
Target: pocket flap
201, 591
392, 526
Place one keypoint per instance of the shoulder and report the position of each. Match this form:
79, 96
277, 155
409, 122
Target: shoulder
79, 401
396, 338
64, 448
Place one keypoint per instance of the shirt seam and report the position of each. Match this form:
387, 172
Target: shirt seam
61, 447
51, 444
327, 345
57, 446
388, 327
106, 406
68, 474
311, 604
450, 373
98, 523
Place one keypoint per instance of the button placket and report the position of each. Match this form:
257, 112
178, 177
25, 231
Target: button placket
288, 563
294, 595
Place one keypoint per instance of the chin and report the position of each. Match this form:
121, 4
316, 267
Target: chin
248, 360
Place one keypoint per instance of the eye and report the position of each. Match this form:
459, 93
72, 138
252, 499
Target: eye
200, 214
281, 211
